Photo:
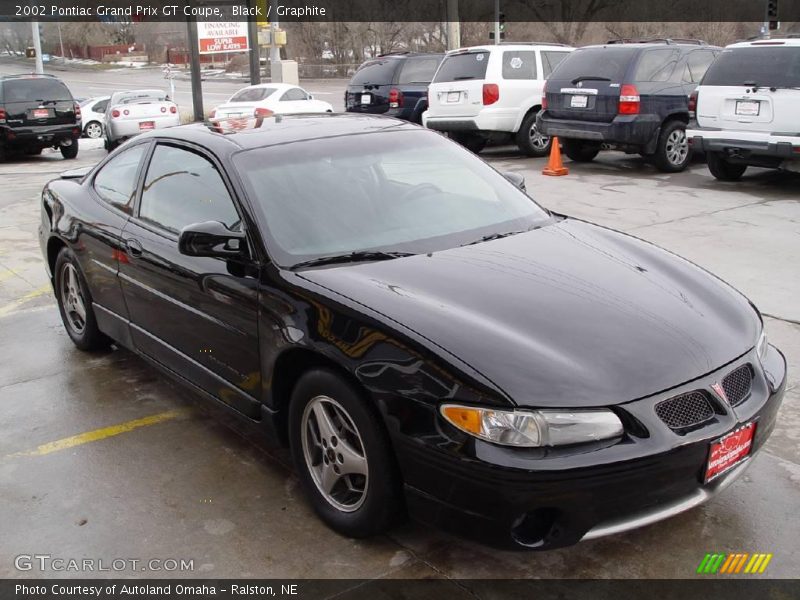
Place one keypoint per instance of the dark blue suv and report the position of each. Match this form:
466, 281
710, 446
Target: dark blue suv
626, 95
395, 85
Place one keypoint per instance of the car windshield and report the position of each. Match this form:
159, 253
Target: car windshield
35, 89
141, 97
607, 63
252, 95
410, 191
765, 66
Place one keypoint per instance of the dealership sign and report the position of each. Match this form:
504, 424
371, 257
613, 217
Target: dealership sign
214, 37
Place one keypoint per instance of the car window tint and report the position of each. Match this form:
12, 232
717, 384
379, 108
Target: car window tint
697, 64
656, 65
294, 94
418, 70
252, 94
608, 62
115, 182
550, 60
100, 107
766, 66
461, 67
182, 188
379, 72
139, 97
519, 64
35, 89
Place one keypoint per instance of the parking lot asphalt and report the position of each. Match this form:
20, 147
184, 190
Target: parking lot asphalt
102, 457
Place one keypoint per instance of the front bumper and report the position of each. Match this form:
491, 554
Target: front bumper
633, 130
548, 498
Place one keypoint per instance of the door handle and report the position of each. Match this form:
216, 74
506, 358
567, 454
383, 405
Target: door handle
134, 247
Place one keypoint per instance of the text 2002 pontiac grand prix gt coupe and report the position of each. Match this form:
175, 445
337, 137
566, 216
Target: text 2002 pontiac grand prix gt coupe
425, 337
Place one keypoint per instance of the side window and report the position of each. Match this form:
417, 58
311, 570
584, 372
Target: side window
656, 65
418, 70
181, 188
697, 64
100, 107
294, 94
116, 181
519, 64
550, 60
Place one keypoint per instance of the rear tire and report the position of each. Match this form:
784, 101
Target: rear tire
335, 435
580, 151
110, 145
471, 141
530, 141
70, 151
722, 169
673, 153
75, 304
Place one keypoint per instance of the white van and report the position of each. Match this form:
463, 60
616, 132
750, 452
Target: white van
493, 92
747, 108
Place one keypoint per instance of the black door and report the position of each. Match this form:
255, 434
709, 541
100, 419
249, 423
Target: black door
195, 315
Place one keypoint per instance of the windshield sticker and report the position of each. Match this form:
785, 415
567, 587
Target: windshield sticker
479, 57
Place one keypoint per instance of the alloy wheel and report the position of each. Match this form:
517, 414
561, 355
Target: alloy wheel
94, 130
72, 299
538, 140
677, 147
334, 454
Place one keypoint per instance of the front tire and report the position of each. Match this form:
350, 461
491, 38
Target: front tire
580, 151
75, 304
722, 169
93, 130
530, 141
672, 152
70, 151
342, 456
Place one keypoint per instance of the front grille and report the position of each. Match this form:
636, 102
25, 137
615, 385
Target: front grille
687, 410
737, 384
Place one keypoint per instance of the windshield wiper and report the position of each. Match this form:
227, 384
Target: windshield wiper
590, 78
363, 256
463, 77
495, 236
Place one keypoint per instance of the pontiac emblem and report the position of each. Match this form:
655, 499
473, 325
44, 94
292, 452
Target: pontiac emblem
720, 391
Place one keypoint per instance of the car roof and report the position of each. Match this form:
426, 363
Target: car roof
647, 45
27, 76
513, 47
770, 43
277, 86
282, 129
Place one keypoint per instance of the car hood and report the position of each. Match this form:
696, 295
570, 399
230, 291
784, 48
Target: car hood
571, 314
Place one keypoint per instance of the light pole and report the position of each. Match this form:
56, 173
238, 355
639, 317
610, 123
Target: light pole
61, 43
37, 47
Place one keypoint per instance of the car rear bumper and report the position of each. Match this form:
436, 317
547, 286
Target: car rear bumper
744, 144
489, 120
637, 130
533, 499
39, 135
116, 130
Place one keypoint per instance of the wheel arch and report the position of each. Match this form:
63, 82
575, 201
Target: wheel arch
533, 108
54, 246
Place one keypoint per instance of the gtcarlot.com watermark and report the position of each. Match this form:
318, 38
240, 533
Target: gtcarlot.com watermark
57, 564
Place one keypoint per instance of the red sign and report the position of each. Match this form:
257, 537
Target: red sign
214, 38
728, 451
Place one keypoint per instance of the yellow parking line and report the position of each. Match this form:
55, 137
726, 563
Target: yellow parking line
99, 434
7, 274
9, 308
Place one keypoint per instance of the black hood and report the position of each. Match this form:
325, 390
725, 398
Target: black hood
568, 315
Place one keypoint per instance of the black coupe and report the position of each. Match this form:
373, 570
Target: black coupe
424, 336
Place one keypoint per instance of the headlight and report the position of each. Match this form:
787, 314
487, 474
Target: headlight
534, 428
762, 346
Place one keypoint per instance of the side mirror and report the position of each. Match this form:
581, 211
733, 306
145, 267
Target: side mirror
212, 239
515, 178
309, 97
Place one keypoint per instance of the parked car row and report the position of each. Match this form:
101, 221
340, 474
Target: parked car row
636, 96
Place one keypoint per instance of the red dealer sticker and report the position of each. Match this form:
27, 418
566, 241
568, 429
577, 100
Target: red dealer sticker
729, 451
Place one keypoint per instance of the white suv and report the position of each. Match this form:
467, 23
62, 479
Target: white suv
747, 108
495, 92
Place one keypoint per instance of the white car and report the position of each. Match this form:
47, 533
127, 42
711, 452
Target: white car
93, 114
491, 92
268, 99
746, 108
136, 111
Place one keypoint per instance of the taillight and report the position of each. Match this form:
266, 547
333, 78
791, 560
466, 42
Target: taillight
629, 100
212, 113
544, 96
693, 104
491, 93
77, 111
263, 112
395, 98
115, 113
173, 109
3, 115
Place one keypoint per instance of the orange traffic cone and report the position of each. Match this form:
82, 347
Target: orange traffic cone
555, 166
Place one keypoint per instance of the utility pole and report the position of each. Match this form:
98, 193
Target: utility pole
255, 49
453, 26
194, 61
274, 50
61, 43
496, 21
37, 47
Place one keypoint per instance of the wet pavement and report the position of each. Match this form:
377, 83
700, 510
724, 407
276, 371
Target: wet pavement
183, 482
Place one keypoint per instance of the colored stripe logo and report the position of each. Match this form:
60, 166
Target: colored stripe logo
734, 564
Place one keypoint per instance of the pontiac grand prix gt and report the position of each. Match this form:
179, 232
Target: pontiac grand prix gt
425, 337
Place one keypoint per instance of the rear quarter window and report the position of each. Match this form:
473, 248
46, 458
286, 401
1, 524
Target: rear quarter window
656, 65
375, 72
550, 60
460, 67
765, 66
607, 62
519, 64
418, 70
